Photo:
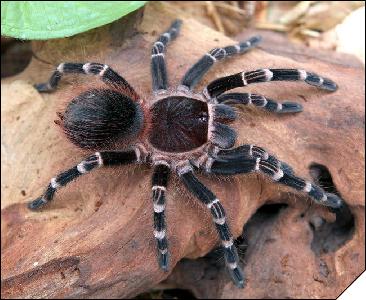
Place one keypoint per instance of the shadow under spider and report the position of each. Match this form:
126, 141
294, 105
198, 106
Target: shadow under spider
330, 236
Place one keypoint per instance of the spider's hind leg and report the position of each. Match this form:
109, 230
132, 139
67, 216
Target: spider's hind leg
274, 169
105, 158
248, 151
219, 217
159, 184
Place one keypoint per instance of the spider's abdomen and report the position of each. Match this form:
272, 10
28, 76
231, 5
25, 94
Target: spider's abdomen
179, 124
99, 118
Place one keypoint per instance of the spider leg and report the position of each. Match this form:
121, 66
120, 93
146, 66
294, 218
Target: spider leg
249, 151
259, 101
219, 218
236, 164
105, 158
220, 85
201, 67
108, 75
158, 67
159, 184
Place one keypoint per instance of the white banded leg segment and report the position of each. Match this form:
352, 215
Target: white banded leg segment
159, 234
54, 183
183, 168
158, 199
103, 71
220, 85
167, 35
244, 80
270, 169
230, 251
105, 68
257, 162
259, 101
302, 74
107, 158
315, 192
239, 160
217, 211
218, 215
247, 150
201, 67
64, 178
277, 170
158, 67
318, 81
307, 187
90, 163
159, 184
279, 107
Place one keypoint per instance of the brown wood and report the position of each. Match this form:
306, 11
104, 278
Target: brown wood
95, 239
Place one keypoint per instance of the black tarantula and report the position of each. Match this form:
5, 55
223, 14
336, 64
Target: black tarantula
179, 132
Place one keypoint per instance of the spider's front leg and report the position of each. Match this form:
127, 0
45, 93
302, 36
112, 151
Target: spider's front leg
158, 66
108, 75
201, 67
159, 184
220, 85
185, 172
216, 88
103, 158
279, 172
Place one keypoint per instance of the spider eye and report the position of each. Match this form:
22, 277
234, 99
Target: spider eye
203, 117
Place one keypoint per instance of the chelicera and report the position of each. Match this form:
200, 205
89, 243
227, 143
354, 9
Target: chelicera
178, 132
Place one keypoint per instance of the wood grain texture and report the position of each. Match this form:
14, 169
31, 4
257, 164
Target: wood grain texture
95, 239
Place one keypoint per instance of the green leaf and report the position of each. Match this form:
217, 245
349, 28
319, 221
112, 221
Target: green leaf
40, 20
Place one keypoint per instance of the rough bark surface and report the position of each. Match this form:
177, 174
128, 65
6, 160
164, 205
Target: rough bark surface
95, 239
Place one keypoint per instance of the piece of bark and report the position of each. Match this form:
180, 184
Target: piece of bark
275, 256
95, 239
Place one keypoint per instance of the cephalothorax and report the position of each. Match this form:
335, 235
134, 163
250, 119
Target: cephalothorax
178, 132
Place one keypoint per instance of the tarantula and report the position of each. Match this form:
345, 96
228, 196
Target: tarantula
177, 131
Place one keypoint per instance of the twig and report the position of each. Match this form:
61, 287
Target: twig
272, 26
212, 12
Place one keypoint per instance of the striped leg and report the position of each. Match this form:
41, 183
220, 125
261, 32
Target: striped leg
218, 214
105, 158
249, 151
259, 101
103, 71
158, 67
224, 165
159, 184
220, 85
200, 68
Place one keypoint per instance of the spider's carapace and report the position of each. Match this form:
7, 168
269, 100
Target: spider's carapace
178, 124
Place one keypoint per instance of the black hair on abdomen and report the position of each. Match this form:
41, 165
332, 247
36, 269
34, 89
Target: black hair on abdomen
100, 117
